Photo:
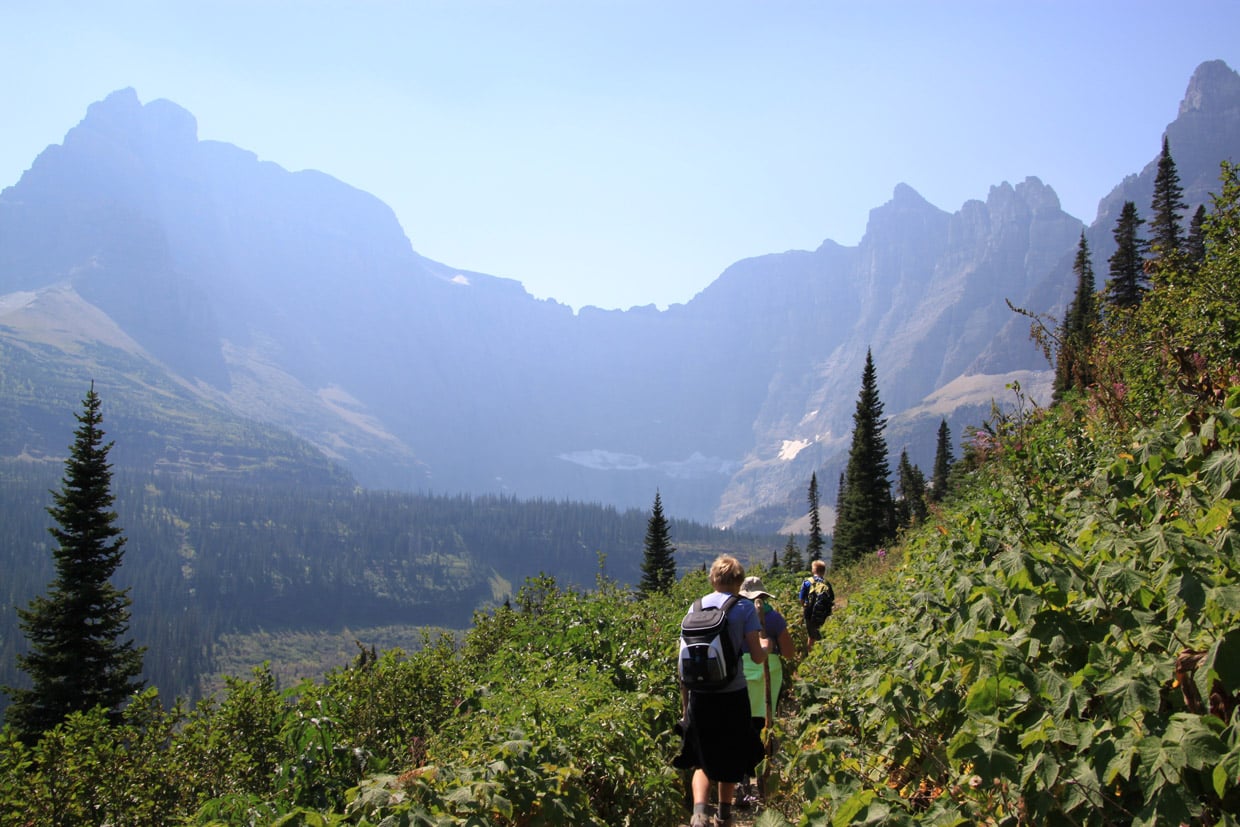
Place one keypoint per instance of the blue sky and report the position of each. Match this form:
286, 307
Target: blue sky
625, 153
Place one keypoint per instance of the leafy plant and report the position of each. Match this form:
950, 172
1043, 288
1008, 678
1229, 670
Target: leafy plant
1021, 666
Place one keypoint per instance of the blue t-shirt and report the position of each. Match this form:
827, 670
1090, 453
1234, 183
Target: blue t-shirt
775, 626
742, 619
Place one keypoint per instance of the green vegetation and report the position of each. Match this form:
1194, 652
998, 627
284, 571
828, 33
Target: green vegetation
911, 505
79, 658
1073, 368
659, 555
943, 462
814, 543
1127, 282
1061, 642
793, 561
866, 516
559, 710
1166, 230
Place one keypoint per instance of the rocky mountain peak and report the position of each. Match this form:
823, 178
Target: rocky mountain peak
121, 121
907, 208
1213, 86
1039, 196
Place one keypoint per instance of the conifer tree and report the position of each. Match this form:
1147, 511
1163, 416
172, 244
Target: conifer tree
1126, 284
815, 544
943, 460
79, 657
1195, 245
1072, 367
793, 561
910, 493
659, 559
1166, 233
866, 519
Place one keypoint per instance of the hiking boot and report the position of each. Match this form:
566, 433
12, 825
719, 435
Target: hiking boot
701, 820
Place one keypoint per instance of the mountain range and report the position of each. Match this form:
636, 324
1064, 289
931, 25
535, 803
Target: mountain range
239, 319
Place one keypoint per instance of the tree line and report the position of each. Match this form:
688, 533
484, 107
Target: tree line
209, 558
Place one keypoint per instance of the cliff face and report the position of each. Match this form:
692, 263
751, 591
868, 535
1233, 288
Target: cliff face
926, 294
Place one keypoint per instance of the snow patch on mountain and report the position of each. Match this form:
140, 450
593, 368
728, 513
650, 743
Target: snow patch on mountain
791, 447
695, 466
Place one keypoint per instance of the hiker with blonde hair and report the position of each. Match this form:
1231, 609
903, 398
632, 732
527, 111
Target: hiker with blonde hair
817, 600
719, 744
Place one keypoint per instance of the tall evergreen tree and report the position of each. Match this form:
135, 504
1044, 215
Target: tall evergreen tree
79, 657
659, 559
1195, 245
910, 502
866, 518
1126, 284
1072, 367
814, 545
943, 460
1166, 232
793, 561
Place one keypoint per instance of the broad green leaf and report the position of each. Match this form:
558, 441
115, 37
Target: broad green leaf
1121, 577
1220, 470
1202, 748
1217, 517
1227, 772
1161, 761
1188, 588
771, 818
1120, 763
852, 807
1044, 769
1225, 598
502, 805
983, 697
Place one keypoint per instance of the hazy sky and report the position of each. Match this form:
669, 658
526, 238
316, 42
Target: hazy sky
625, 153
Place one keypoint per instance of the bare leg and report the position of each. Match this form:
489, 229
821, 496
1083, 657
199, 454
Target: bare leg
701, 788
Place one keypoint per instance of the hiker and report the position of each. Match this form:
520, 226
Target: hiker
765, 680
817, 600
719, 744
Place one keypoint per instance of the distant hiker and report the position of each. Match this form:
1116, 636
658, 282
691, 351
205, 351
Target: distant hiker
719, 744
765, 680
817, 600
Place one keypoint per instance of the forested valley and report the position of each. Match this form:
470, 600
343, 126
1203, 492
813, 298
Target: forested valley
243, 562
